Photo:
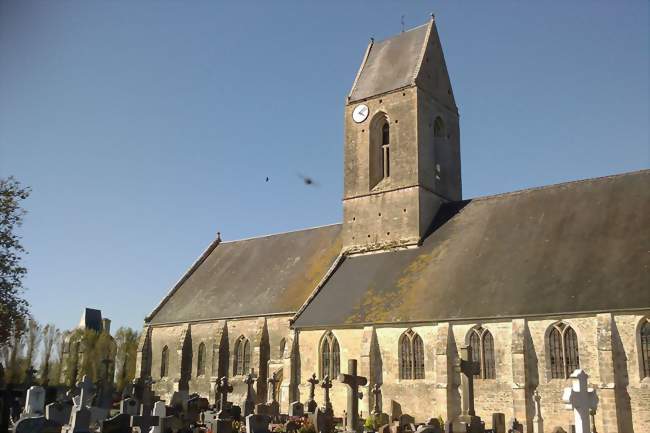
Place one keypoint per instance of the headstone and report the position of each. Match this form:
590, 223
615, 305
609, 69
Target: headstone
261, 409
467, 368
405, 421
249, 403
376, 392
86, 388
274, 406
130, 406
35, 401
160, 410
120, 423
29, 424
144, 421
296, 409
257, 423
58, 412
395, 410
179, 400
311, 403
581, 399
499, 422
515, 426
326, 384
79, 421
323, 422
538, 421
353, 382
432, 426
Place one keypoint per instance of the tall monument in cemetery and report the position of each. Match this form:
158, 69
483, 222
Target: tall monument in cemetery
538, 282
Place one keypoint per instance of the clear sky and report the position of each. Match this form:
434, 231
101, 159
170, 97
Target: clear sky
144, 127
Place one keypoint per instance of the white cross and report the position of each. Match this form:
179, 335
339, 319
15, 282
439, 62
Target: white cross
581, 399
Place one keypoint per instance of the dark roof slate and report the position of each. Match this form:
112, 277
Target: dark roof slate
254, 277
574, 247
391, 64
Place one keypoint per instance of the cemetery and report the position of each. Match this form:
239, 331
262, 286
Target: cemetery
421, 311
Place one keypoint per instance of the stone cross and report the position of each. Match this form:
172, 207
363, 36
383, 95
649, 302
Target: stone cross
249, 404
86, 386
467, 369
326, 385
353, 382
538, 421
273, 380
311, 403
144, 421
223, 388
581, 399
376, 391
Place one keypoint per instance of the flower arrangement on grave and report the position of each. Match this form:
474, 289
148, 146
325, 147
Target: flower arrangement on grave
307, 427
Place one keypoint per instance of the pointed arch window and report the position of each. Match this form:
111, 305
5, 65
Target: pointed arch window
200, 360
164, 362
564, 357
380, 149
283, 344
242, 358
411, 356
330, 356
482, 344
644, 336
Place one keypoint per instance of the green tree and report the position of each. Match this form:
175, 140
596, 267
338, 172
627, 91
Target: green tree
12, 307
51, 337
127, 348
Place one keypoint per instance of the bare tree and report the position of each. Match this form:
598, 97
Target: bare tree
14, 372
50, 338
33, 336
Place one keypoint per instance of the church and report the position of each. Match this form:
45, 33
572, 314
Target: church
537, 282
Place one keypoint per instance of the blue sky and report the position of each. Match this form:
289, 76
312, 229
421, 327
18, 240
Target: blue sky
144, 127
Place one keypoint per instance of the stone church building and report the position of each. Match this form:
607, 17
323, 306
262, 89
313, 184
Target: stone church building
538, 282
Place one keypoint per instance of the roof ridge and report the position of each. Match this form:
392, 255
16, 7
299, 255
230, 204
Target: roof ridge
281, 233
401, 33
556, 185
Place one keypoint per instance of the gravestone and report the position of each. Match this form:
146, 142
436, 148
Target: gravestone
130, 406
274, 406
405, 422
120, 423
353, 381
249, 403
581, 399
296, 409
395, 410
262, 409
86, 388
144, 421
29, 424
515, 426
467, 368
499, 422
311, 403
323, 422
326, 384
538, 421
432, 426
79, 421
179, 400
58, 412
257, 423
35, 402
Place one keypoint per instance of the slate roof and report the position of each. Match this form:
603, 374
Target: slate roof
391, 64
574, 247
254, 277
91, 319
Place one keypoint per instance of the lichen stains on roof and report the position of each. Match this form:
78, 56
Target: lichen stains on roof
254, 277
569, 248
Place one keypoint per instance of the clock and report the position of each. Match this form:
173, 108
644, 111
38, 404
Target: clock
360, 113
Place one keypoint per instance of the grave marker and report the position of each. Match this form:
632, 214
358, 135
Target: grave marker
353, 381
538, 421
326, 384
311, 403
35, 401
467, 368
581, 399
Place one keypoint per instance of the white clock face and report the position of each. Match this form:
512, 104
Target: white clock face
360, 113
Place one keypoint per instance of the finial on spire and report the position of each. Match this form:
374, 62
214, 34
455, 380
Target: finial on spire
433, 16
218, 236
372, 40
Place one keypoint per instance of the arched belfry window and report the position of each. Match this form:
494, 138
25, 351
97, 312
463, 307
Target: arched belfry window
330, 356
644, 346
200, 363
438, 128
411, 356
164, 362
482, 344
380, 149
242, 359
562, 343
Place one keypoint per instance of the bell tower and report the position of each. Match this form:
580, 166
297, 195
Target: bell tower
402, 142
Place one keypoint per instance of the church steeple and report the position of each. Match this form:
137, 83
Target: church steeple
402, 144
